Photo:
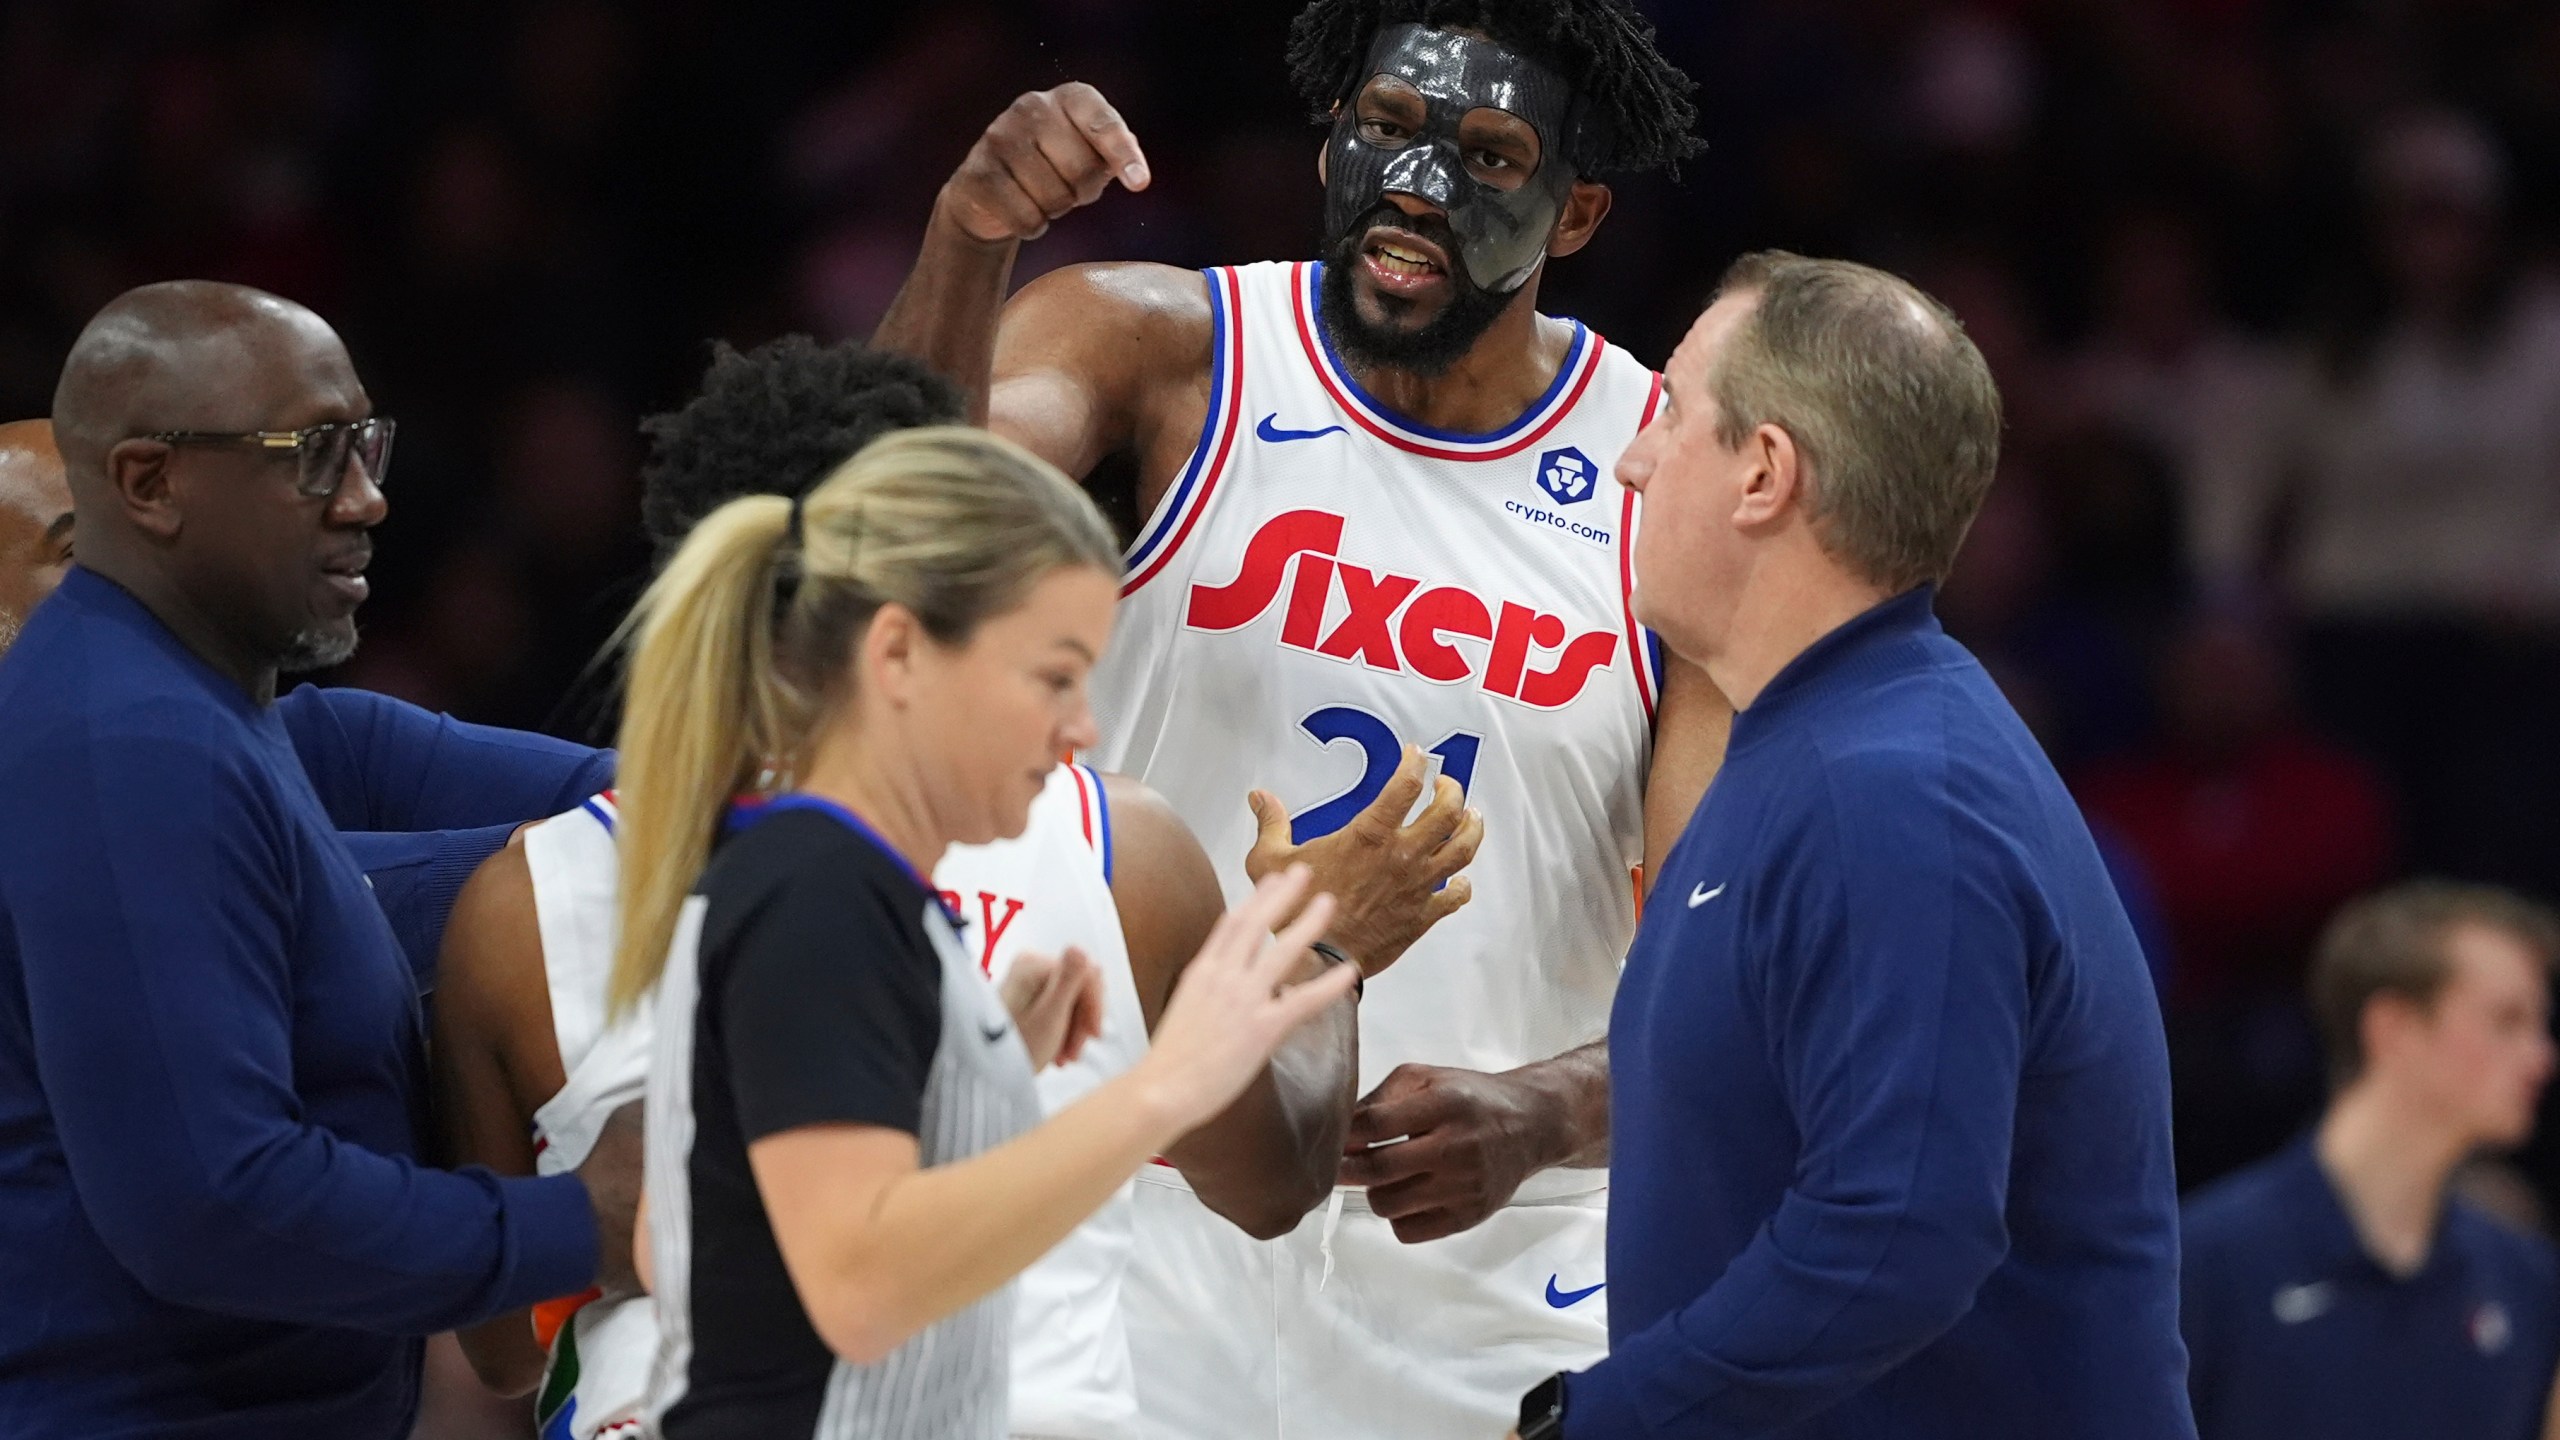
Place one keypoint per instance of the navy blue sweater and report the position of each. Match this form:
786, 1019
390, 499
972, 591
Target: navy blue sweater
2296, 1330
211, 1073
423, 798
1890, 1103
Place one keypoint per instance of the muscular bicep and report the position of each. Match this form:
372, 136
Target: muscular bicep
496, 1058
1096, 360
1688, 747
1163, 886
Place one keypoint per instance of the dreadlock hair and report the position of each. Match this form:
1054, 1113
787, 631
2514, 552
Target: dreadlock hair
776, 420
1640, 111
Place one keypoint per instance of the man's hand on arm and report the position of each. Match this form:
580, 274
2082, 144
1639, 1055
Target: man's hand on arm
1441, 1149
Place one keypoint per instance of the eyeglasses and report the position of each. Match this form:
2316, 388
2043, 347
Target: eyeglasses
323, 450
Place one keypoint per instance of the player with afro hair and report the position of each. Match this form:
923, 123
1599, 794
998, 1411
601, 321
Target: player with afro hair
776, 420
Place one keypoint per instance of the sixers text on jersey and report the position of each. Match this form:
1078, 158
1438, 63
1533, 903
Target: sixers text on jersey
1388, 625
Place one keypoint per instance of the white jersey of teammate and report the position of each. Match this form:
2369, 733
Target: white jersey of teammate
1324, 583
1045, 890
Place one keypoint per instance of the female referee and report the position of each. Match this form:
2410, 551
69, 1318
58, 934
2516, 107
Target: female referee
845, 1161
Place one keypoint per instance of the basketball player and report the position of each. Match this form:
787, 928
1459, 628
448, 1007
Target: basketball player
529, 1067
1378, 513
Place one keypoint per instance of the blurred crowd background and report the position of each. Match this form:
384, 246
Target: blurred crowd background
2272, 288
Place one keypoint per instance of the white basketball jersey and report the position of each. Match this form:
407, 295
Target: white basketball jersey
1327, 582
1045, 890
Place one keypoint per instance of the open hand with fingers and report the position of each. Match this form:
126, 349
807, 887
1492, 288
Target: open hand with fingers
1050, 152
1391, 879
1056, 1002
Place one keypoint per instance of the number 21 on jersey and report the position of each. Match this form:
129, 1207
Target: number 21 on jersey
1382, 752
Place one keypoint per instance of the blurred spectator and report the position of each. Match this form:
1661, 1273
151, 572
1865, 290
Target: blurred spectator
2413, 504
2346, 1289
2166, 368
2251, 830
2421, 443
2072, 663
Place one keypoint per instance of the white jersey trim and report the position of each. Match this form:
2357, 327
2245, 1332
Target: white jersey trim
1181, 508
1573, 377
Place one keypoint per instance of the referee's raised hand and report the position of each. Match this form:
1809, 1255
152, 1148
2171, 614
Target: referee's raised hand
1234, 1003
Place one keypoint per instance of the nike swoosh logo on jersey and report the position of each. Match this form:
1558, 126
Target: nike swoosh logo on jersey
994, 1033
1278, 436
1566, 1299
1700, 895
2295, 1304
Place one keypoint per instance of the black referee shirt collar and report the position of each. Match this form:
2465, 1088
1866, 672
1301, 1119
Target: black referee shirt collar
1870, 647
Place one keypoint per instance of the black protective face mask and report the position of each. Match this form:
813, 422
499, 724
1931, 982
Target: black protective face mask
1502, 234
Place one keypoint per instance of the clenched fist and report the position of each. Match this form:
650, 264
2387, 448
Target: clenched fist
1050, 152
1391, 880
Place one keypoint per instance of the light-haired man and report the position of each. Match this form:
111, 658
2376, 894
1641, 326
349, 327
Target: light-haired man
1890, 1098
2340, 1288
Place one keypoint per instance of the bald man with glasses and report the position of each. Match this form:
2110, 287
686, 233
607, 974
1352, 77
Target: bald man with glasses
420, 798
211, 1064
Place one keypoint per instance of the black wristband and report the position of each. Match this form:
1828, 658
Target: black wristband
1359, 987
1542, 1411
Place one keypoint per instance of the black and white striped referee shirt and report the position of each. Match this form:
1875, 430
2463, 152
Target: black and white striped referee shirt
814, 980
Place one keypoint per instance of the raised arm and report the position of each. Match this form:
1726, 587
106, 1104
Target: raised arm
1267, 1159
1089, 360
1050, 152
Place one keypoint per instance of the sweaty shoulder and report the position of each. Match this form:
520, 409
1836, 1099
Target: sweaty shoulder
1096, 360
1132, 300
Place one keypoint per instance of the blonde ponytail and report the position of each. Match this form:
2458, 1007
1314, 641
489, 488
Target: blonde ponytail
727, 676
701, 700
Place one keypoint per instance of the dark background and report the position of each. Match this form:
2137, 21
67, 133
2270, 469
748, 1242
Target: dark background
2273, 564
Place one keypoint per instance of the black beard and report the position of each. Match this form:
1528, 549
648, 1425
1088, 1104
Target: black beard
319, 647
1441, 341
